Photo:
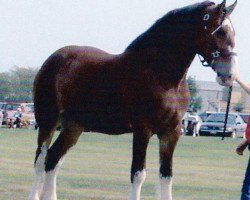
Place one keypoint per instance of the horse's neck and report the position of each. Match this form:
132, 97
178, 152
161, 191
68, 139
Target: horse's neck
167, 49
173, 63
168, 62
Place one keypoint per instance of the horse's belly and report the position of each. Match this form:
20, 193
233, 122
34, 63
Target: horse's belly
109, 120
110, 123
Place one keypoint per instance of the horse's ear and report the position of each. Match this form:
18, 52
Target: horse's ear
221, 7
228, 10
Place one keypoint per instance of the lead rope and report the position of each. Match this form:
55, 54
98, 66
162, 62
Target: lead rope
227, 111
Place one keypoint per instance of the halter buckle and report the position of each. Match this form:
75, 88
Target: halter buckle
203, 61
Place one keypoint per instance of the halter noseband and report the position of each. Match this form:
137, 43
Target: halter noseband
216, 54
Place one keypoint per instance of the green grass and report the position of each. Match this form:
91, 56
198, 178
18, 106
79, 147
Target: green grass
205, 168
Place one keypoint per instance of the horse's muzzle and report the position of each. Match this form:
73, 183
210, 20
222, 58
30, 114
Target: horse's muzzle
225, 81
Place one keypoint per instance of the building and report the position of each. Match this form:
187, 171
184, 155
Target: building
214, 97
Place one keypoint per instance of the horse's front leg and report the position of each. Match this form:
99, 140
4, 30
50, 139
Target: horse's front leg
138, 168
167, 143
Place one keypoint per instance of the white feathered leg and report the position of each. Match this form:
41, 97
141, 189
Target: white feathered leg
138, 180
166, 188
37, 187
49, 189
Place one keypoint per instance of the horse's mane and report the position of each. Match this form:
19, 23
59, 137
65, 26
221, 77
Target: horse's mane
166, 23
191, 9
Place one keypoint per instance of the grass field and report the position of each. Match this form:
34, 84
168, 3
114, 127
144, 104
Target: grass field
205, 168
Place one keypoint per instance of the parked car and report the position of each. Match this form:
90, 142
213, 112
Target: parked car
205, 115
214, 125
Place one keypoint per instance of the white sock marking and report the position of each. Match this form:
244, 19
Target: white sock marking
37, 187
49, 189
139, 179
166, 188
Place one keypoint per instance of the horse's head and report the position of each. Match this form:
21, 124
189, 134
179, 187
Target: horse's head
217, 43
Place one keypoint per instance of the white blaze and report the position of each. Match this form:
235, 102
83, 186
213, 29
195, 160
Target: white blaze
234, 59
232, 67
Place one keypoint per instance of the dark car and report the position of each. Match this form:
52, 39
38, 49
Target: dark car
214, 125
205, 115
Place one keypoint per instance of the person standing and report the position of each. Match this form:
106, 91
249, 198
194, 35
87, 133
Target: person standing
193, 124
1, 117
245, 192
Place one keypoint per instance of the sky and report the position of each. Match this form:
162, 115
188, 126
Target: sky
32, 30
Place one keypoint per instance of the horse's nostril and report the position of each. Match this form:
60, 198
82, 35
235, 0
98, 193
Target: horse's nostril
230, 76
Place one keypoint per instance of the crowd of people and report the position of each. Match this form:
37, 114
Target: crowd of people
14, 121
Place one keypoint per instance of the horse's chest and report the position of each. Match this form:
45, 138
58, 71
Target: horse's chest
173, 100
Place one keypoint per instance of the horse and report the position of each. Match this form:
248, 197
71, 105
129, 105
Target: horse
142, 91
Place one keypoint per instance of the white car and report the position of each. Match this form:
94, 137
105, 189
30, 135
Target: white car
214, 125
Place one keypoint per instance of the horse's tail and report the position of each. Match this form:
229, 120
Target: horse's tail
45, 100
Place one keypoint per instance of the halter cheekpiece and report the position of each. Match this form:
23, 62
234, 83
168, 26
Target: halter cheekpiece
216, 54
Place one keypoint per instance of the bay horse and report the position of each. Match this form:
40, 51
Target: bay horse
143, 90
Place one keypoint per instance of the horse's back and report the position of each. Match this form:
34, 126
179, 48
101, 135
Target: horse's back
84, 52
67, 64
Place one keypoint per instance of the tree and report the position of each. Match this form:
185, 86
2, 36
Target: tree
17, 85
5, 86
195, 101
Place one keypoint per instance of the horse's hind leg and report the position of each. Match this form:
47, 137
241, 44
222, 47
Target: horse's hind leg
67, 139
44, 138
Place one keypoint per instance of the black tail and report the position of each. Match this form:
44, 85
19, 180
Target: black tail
45, 99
